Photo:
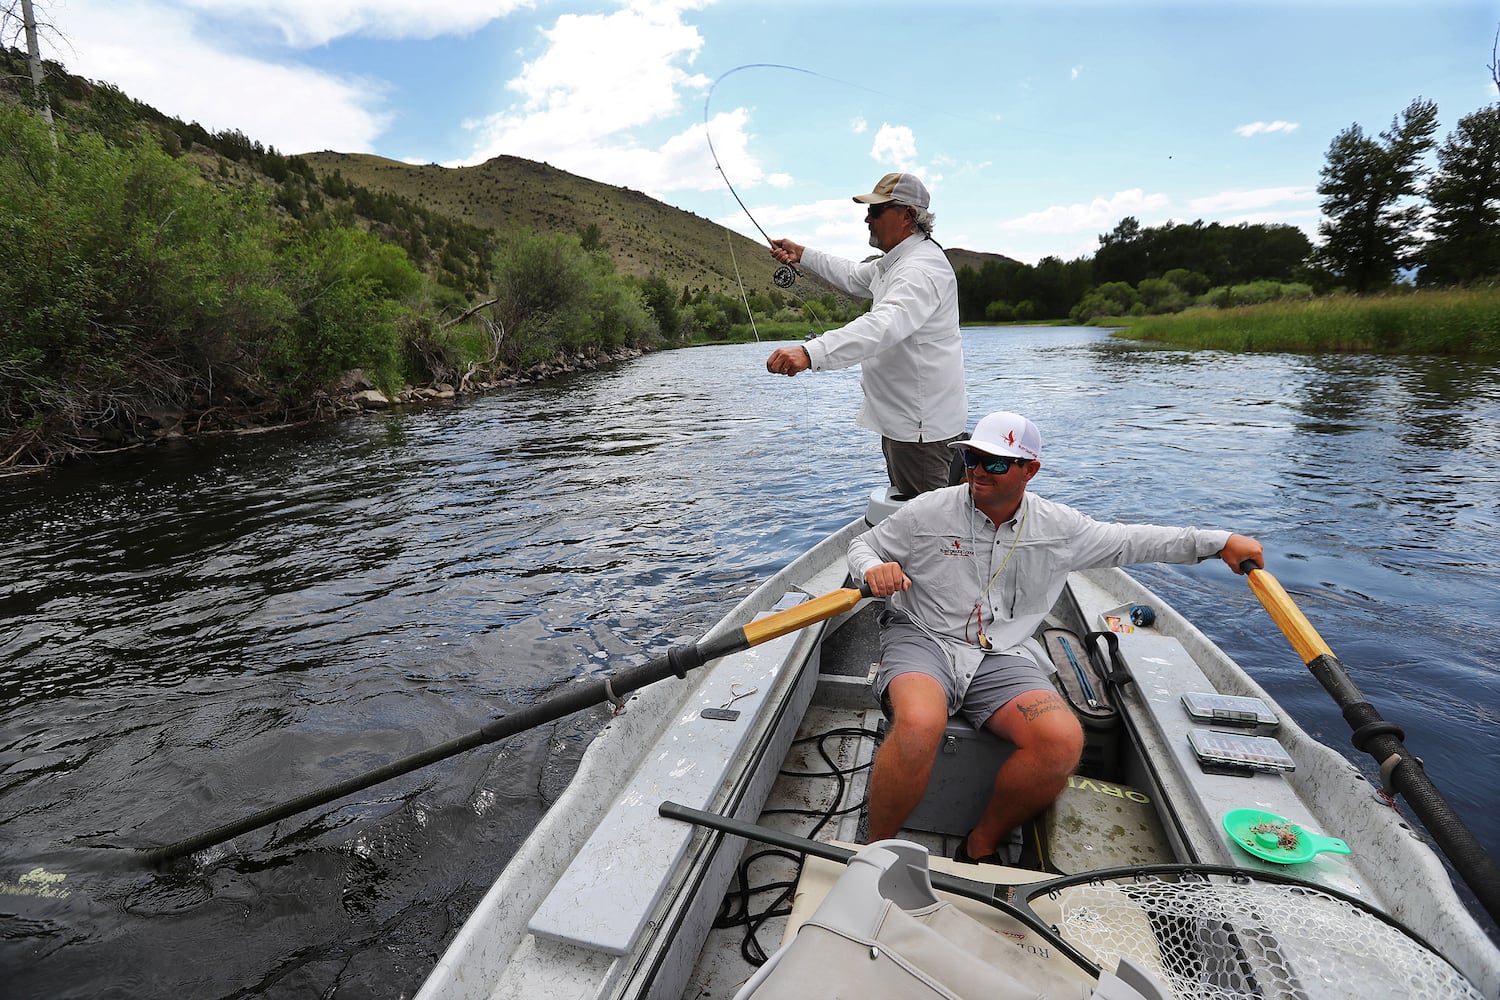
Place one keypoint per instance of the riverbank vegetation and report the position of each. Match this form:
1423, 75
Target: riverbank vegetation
1394, 219
1455, 321
141, 299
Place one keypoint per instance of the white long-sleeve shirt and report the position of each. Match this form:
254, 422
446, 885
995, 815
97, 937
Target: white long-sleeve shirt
951, 552
908, 345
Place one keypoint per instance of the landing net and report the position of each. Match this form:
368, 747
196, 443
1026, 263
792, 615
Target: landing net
1230, 937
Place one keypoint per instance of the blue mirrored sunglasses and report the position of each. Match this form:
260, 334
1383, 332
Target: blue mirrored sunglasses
995, 465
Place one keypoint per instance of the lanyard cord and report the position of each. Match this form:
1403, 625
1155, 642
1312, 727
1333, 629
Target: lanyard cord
978, 604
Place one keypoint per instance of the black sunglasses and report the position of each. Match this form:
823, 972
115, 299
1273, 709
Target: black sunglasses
876, 211
995, 465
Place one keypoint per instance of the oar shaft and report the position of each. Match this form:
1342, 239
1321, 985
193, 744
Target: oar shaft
558, 706
573, 699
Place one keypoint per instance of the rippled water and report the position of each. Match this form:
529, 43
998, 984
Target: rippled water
191, 634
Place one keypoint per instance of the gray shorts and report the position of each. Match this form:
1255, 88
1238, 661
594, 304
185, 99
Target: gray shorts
906, 649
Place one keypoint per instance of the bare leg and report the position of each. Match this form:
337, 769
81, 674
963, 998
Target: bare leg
904, 761
1049, 744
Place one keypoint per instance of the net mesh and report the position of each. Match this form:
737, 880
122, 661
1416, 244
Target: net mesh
1231, 937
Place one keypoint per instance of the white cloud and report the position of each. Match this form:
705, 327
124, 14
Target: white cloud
859, 126
1075, 73
291, 107
596, 78
309, 23
601, 76
1264, 128
1244, 201
895, 145
1101, 213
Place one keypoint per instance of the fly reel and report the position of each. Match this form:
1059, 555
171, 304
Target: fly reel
784, 276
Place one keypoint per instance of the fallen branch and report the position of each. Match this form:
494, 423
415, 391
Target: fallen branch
467, 313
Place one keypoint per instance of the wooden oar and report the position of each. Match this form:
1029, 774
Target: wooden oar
1382, 740
678, 661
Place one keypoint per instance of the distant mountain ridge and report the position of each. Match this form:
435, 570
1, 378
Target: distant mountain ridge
643, 236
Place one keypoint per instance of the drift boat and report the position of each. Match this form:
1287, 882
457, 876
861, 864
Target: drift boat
1206, 847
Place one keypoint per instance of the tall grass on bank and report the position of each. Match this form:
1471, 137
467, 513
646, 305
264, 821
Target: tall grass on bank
1459, 322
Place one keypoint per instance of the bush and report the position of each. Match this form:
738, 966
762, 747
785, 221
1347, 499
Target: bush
348, 286
129, 283
1254, 293
1113, 298
554, 296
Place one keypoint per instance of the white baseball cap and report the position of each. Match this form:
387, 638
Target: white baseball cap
903, 188
1005, 433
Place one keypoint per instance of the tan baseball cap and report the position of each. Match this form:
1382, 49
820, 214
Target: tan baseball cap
903, 188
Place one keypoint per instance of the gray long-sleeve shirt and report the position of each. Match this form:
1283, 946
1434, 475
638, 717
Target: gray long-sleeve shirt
966, 571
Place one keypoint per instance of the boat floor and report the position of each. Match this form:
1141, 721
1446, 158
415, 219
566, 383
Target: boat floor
819, 795
824, 801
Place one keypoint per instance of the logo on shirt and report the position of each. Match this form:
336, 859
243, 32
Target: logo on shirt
957, 549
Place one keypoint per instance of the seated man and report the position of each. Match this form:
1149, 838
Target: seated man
970, 572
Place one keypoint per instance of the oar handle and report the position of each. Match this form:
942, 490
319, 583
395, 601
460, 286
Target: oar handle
802, 615
1287, 616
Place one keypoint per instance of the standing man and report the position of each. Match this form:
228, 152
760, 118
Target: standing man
970, 572
908, 345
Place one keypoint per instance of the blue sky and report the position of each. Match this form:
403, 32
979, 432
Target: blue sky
1037, 125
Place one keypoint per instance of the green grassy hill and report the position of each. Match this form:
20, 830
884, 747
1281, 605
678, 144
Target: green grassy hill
644, 236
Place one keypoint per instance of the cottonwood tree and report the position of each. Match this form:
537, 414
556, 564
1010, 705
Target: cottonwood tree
1464, 198
1372, 222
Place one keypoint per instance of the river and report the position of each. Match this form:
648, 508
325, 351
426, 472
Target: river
196, 632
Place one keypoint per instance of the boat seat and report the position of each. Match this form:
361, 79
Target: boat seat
963, 776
